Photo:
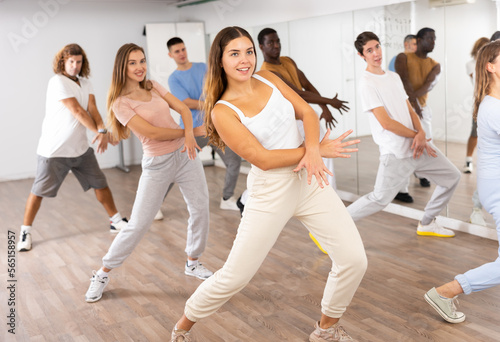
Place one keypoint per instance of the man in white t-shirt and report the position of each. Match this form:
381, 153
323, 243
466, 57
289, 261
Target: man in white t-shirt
70, 110
404, 148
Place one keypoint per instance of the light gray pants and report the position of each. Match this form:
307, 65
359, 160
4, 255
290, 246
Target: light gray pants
232, 162
393, 173
157, 174
275, 196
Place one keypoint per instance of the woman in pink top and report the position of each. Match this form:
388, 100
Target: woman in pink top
143, 107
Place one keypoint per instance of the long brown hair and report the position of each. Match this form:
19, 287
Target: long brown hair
118, 80
68, 51
216, 81
487, 54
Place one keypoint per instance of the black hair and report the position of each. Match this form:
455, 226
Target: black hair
364, 38
263, 33
421, 33
495, 36
173, 41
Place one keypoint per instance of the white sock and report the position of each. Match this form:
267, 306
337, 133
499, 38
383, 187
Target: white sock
191, 262
468, 159
116, 218
102, 274
25, 229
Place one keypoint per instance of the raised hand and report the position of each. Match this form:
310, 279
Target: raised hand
336, 148
328, 117
339, 104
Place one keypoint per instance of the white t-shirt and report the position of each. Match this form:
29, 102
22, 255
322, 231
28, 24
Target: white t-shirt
386, 91
488, 144
470, 68
62, 134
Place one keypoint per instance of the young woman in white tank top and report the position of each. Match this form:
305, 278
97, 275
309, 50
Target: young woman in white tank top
255, 116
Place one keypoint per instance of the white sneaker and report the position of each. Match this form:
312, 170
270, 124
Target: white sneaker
434, 229
197, 270
468, 167
159, 215
97, 285
229, 204
116, 227
24, 243
477, 217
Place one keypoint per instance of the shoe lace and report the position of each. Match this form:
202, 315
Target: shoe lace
95, 282
454, 304
181, 336
340, 332
24, 236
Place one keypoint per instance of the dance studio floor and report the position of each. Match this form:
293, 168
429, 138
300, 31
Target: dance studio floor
146, 295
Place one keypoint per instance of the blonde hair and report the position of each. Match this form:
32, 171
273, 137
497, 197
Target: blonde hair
62, 56
487, 54
216, 81
118, 81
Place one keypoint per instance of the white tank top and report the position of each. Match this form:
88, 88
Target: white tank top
275, 126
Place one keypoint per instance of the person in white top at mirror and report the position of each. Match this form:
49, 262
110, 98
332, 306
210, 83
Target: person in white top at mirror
404, 147
255, 115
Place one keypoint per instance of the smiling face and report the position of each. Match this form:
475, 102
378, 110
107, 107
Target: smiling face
73, 65
238, 59
136, 66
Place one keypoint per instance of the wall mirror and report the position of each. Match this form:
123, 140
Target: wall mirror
323, 48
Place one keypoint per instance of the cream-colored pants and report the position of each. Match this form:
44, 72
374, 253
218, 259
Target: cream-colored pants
275, 197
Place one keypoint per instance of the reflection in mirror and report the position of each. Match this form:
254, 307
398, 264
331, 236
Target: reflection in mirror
323, 49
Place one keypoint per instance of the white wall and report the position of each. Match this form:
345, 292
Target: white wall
31, 35
33, 31
457, 28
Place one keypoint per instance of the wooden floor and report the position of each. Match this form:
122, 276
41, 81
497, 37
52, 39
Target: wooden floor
146, 295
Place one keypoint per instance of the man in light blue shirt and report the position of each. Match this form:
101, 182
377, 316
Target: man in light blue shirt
410, 44
186, 83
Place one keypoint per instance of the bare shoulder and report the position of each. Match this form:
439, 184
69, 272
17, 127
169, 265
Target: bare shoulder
270, 76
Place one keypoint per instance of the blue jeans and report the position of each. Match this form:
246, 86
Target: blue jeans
487, 275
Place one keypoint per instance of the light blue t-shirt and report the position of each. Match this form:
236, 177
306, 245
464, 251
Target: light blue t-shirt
185, 84
488, 145
392, 64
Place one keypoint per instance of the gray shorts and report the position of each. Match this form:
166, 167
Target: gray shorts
51, 172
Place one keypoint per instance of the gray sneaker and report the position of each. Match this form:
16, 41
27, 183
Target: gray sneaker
335, 333
445, 307
197, 270
180, 335
97, 285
